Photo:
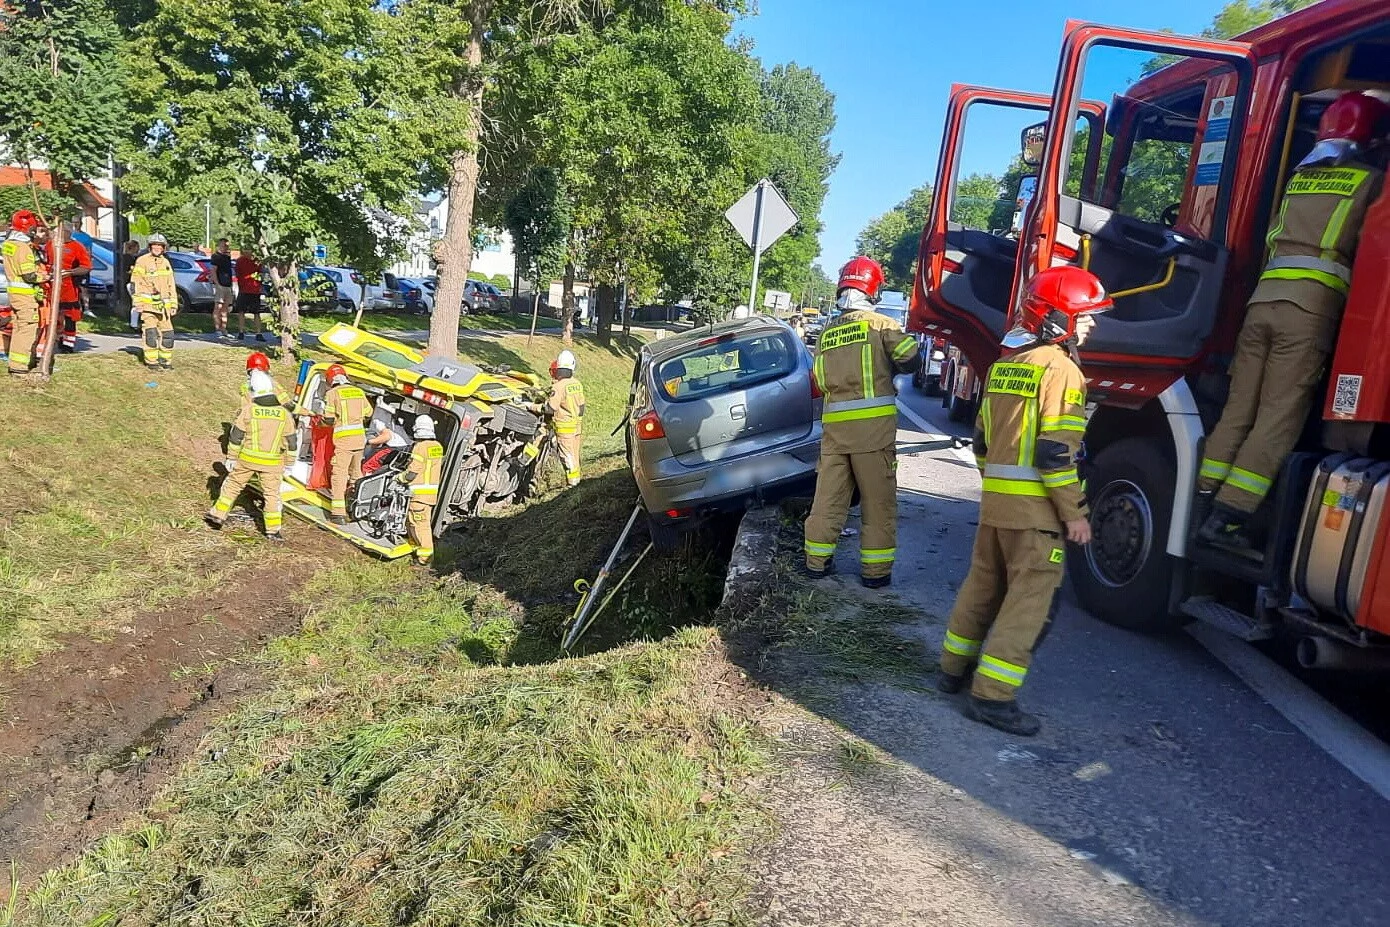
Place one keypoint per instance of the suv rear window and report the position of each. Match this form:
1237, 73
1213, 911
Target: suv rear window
727, 364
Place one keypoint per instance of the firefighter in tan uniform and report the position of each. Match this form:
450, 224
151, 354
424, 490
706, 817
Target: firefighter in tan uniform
566, 404
23, 277
346, 410
857, 358
423, 475
1290, 326
157, 300
1031, 422
260, 436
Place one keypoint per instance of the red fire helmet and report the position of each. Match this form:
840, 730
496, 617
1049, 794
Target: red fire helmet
1355, 117
862, 274
1055, 298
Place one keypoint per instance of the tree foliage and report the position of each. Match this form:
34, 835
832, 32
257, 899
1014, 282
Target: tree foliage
893, 237
60, 68
538, 217
303, 111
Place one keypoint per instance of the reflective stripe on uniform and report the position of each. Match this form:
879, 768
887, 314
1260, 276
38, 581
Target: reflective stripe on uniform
1011, 674
851, 409
878, 555
424, 489
348, 431
1215, 469
567, 428
817, 549
961, 646
904, 348
866, 361
1321, 265
1327, 280
1058, 478
1063, 423
21, 289
259, 457
1251, 482
1013, 487
818, 372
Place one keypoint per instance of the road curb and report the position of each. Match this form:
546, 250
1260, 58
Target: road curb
755, 547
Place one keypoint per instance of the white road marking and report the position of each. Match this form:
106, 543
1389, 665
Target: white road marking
963, 453
1363, 755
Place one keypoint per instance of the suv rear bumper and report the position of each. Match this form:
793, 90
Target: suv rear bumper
732, 485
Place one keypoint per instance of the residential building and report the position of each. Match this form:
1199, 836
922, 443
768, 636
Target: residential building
494, 257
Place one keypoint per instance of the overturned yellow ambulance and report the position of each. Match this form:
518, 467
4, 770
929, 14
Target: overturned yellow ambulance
480, 418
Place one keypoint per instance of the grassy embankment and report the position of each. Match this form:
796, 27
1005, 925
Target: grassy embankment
413, 760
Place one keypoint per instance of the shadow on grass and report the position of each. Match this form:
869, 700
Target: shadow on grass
491, 353
536, 554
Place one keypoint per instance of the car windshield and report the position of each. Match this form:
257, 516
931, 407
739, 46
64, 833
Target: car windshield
727, 363
894, 313
385, 356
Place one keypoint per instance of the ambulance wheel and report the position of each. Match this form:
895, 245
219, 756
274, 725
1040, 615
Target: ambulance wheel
1124, 575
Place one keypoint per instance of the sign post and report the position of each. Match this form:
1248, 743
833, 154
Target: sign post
761, 217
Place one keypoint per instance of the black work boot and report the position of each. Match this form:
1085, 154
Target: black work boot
1202, 506
1225, 528
949, 683
822, 573
275, 537
213, 523
877, 582
1006, 716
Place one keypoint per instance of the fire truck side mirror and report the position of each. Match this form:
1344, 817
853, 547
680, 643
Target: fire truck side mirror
1031, 141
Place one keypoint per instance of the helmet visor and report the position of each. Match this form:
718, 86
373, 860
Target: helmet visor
1330, 151
1018, 337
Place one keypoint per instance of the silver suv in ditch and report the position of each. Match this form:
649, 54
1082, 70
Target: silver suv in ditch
720, 418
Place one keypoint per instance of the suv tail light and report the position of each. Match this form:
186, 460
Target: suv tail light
356, 278
815, 389
649, 427
206, 275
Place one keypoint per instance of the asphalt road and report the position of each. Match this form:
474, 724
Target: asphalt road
1156, 765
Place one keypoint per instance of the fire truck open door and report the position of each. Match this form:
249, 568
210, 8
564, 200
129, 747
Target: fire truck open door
1164, 263
962, 287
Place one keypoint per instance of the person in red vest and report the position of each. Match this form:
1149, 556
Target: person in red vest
77, 265
248, 300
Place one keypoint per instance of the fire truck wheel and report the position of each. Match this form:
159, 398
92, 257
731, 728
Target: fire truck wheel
961, 410
1123, 576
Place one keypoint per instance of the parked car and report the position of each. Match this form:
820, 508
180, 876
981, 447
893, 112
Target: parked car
349, 284
477, 297
720, 418
927, 375
418, 297
193, 280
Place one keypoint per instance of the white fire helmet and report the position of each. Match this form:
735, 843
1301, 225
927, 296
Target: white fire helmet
567, 361
260, 383
424, 428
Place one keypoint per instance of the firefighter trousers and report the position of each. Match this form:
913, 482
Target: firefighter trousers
1279, 360
875, 473
158, 332
347, 468
1002, 608
569, 454
232, 485
419, 529
24, 333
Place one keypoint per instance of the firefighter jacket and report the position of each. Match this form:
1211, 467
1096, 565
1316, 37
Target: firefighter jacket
77, 264
21, 269
1031, 422
280, 395
1313, 242
261, 434
856, 360
347, 409
566, 402
153, 278
426, 467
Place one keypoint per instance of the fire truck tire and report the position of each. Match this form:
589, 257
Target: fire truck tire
1124, 575
961, 410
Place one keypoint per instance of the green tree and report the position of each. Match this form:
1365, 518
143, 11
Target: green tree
61, 73
651, 131
538, 218
892, 239
1235, 18
306, 112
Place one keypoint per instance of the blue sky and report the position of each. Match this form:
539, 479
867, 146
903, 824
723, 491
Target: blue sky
891, 63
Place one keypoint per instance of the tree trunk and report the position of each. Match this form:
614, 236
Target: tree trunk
607, 308
625, 306
456, 247
535, 314
567, 305
287, 288
55, 301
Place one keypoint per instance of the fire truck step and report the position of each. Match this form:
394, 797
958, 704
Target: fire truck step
1209, 611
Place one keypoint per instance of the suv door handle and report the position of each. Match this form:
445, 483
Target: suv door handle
737, 412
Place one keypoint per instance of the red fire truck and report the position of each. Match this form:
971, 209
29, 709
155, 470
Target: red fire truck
1227, 121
